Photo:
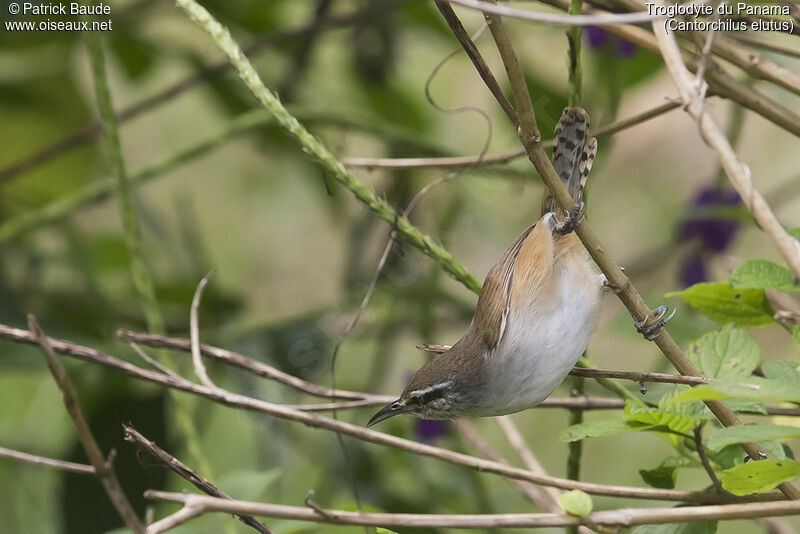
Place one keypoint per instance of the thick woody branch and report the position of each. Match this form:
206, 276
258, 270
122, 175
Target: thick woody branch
146, 447
365, 434
102, 468
72, 467
622, 518
532, 142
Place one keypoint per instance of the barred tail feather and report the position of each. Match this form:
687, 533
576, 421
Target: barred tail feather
573, 155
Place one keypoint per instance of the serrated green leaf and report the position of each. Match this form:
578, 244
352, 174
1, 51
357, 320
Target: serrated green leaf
750, 432
664, 475
576, 502
676, 417
754, 388
697, 527
764, 274
724, 304
602, 428
728, 353
786, 371
758, 477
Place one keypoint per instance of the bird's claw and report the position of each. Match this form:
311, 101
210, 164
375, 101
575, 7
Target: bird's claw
652, 329
571, 220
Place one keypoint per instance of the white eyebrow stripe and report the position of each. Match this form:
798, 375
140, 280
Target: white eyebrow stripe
429, 389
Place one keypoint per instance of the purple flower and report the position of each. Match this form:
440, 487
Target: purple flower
430, 429
625, 49
715, 234
693, 270
597, 37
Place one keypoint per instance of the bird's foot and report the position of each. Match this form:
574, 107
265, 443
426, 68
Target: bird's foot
652, 329
571, 220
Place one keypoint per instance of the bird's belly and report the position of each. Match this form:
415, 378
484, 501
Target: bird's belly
541, 346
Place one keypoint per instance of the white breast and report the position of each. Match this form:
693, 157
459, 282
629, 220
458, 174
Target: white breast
540, 346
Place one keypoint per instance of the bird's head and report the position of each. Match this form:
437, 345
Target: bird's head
433, 401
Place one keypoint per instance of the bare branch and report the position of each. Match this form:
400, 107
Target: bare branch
102, 469
145, 446
477, 161
563, 20
197, 359
625, 517
371, 436
72, 467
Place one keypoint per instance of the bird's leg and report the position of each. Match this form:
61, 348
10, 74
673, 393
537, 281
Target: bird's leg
652, 329
571, 220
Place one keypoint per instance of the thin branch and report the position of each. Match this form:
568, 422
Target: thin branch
532, 141
753, 63
477, 161
534, 494
72, 467
524, 452
194, 332
102, 468
243, 362
785, 50
313, 420
701, 452
154, 363
719, 81
153, 451
738, 173
624, 517
563, 20
477, 60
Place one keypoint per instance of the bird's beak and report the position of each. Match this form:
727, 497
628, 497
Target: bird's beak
390, 410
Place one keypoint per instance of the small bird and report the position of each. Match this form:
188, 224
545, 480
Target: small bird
538, 308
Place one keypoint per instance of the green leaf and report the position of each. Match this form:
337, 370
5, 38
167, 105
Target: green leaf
576, 502
679, 417
796, 333
728, 353
751, 432
724, 304
763, 274
698, 527
602, 428
795, 233
754, 388
758, 477
786, 371
381, 530
739, 405
664, 475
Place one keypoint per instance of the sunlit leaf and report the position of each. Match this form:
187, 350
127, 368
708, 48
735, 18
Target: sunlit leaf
596, 429
728, 353
764, 274
758, 477
750, 432
576, 502
753, 388
724, 304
